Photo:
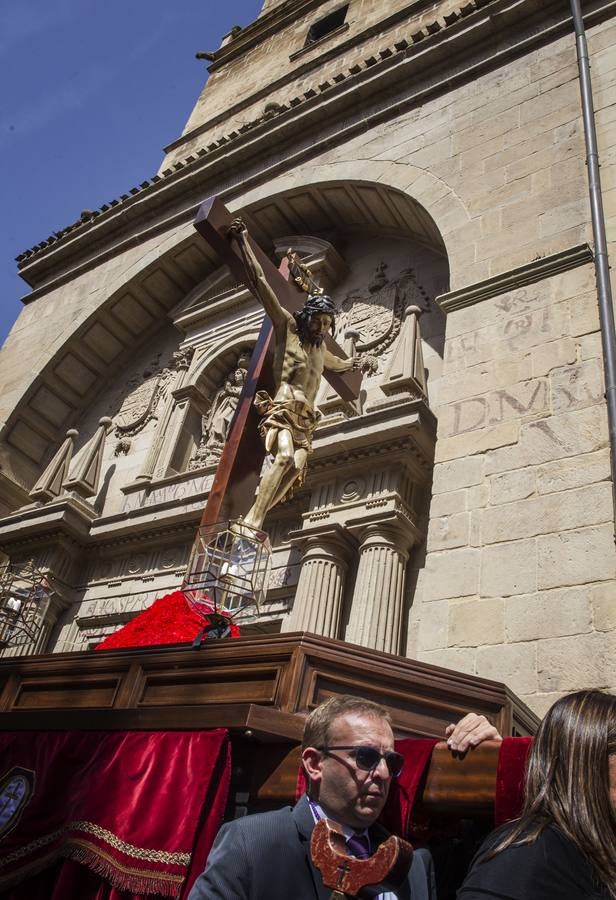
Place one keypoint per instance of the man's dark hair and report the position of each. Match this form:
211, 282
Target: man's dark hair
315, 304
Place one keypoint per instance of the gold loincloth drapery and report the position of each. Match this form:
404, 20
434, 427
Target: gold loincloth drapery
294, 416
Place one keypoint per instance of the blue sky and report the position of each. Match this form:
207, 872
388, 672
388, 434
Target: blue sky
92, 92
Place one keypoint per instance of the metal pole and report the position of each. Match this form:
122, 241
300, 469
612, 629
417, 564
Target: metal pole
602, 266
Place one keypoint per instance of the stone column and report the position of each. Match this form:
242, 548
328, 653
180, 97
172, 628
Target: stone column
376, 613
320, 590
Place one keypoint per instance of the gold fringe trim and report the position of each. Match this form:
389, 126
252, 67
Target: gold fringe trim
161, 856
125, 878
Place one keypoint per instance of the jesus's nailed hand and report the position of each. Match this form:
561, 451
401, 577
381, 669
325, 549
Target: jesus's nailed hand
237, 228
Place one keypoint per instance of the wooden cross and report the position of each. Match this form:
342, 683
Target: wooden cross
238, 470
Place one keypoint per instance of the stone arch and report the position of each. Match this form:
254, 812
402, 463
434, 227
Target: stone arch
79, 363
78, 369
422, 188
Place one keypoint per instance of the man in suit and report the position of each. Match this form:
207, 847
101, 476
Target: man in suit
349, 759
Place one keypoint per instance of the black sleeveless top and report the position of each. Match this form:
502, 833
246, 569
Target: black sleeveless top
551, 868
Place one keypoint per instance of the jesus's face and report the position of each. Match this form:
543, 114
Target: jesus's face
318, 326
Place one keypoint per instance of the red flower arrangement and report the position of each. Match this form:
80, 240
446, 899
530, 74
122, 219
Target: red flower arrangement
169, 620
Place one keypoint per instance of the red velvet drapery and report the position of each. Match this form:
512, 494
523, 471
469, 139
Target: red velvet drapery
126, 810
510, 776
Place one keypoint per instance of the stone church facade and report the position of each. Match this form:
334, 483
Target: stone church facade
427, 162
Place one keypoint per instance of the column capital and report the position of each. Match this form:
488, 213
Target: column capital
331, 536
393, 527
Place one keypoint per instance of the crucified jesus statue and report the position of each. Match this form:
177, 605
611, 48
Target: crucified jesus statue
300, 356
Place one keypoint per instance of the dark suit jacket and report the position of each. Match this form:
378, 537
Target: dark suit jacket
267, 857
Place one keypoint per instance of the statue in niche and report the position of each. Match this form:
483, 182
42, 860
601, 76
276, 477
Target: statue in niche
215, 425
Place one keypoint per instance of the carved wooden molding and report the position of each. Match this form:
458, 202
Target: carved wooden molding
178, 687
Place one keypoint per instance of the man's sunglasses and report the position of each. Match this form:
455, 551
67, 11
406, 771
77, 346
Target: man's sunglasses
368, 758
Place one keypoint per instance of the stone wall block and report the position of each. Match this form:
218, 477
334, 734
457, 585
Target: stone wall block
508, 568
458, 473
481, 132
559, 218
478, 380
433, 625
446, 532
585, 314
540, 703
574, 387
569, 434
511, 486
554, 355
451, 573
515, 664
603, 603
475, 622
477, 441
460, 659
564, 474
548, 614
448, 504
577, 557
548, 513
571, 663
478, 496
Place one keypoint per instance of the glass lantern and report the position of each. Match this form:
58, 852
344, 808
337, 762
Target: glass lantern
228, 571
24, 601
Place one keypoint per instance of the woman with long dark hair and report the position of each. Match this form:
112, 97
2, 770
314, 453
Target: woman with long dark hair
563, 846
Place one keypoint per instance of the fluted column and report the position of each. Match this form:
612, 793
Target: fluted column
320, 590
376, 613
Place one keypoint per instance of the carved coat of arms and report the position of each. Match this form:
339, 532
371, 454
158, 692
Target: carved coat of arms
145, 390
376, 313
138, 407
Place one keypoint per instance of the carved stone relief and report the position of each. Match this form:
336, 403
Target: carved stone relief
145, 390
375, 313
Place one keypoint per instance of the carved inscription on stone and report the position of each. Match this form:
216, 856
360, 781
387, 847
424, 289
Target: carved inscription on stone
495, 407
181, 491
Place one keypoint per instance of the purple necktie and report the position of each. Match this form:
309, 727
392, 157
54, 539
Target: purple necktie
359, 846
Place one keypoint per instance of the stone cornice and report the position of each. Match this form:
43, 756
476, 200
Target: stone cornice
67, 515
401, 77
411, 423
529, 273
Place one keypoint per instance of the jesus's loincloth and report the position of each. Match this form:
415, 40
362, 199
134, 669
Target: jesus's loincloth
294, 416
